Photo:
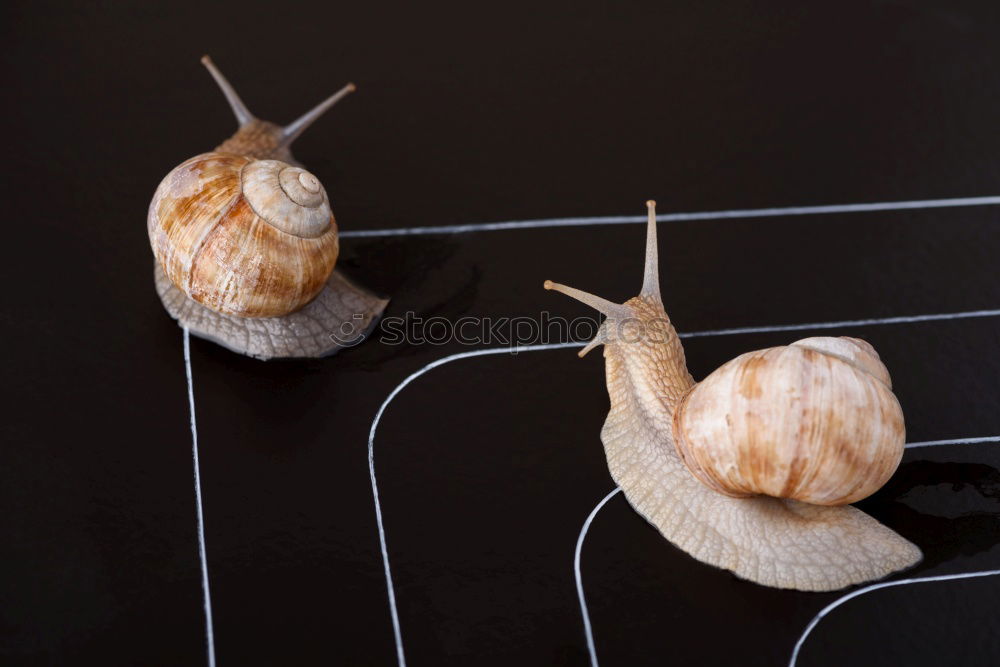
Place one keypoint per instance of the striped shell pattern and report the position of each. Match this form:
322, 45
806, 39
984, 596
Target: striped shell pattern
243, 236
814, 421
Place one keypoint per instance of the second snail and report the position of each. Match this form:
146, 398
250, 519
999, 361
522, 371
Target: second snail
753, 468
245, 244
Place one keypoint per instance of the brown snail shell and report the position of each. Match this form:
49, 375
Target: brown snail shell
814, 421
246, 237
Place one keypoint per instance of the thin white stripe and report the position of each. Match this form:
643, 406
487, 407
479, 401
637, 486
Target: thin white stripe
873, 587
209, 632
587, 630
962, 441
844, 323
674, 217
400, 655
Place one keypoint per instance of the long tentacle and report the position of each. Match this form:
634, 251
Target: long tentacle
291, 131
651, 272
243, 115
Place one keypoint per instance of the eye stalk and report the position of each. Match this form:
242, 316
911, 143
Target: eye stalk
260, 137
292, 131
651, 270
619, 312
243, 115
609, 308
650, 280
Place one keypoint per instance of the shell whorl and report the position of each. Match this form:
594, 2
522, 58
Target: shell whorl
287, 197
246, 237
814, 421
855, 351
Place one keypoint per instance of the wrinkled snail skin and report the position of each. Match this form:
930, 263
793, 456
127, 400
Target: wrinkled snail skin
259, 139
773, 541
245, 243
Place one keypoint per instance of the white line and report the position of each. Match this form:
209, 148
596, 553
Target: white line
873, 587
962, 441
587, 630
400, 655
673, 217
397, 633
209, 632
844, 323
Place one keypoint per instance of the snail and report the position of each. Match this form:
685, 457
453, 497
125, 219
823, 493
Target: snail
245, 244
753, 468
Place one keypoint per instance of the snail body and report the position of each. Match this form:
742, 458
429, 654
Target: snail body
245, 244
753, 468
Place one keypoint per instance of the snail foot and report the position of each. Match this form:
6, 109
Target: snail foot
339, 317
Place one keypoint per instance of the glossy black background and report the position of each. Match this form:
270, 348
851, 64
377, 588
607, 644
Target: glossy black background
488, 466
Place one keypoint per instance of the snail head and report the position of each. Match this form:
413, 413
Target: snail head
644, 311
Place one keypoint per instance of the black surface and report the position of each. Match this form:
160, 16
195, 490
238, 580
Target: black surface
488, 466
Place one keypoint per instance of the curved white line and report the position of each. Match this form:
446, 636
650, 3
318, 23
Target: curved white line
390, 589
400, 655
873, 587
673, 217
587, 629
207, 597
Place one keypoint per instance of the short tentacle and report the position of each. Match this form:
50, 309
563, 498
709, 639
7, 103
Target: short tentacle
609, 308
600, 339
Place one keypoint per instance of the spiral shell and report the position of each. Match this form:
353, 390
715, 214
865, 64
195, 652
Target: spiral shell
242, 236
814, 421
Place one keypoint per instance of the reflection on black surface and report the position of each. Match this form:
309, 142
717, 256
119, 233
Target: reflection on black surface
416, 274
637, 583
390, 265
952, 530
